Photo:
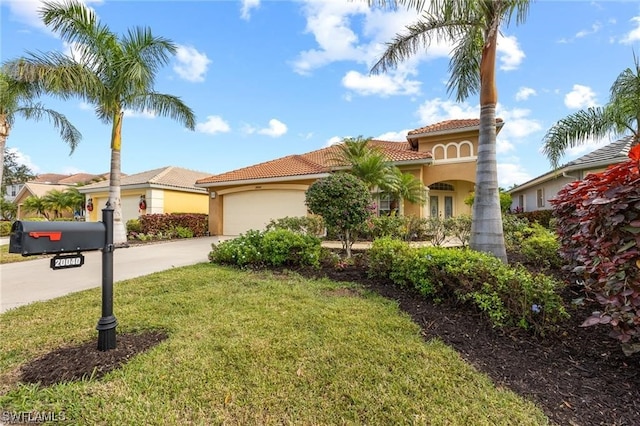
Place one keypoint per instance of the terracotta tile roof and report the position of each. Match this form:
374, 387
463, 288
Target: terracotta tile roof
449, 125
48, 178
312, 163
170, 176
60, 179
40, 189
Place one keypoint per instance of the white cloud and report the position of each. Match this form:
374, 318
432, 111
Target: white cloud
192, 65
141, 114
85, 106
503, 146
524, 93
247, 5
435, 110
633, 35
512, 173
511, 55
27, 11
276, 129
594, 29
24, 159
214, 124
517, 124
334, 140
589, 146
382, 84
400, 136
580, 97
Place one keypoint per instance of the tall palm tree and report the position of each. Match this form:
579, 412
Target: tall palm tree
620, 116
110, 72
473, 27
18, 98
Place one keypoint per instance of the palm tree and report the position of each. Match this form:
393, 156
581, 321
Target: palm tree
406, 187
111, 73
365, 162
620, 116
55, 201
36, 205
17, 98
73, 200
473, 27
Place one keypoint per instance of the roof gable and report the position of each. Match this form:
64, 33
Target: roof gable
448, 126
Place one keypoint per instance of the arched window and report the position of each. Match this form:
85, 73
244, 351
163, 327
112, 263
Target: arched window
441, 186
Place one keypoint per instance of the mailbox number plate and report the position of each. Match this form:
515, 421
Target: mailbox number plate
67, 261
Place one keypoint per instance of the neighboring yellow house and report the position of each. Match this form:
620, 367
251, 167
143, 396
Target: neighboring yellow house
443, 156
165, 190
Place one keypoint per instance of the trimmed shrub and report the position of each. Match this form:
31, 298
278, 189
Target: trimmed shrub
182, 232
165, 223
5, 228
460, 228
279, 247
308, 225
134, 225
384, 255
542, 249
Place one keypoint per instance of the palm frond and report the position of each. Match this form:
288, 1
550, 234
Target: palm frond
68, 131
164, 105
464, 66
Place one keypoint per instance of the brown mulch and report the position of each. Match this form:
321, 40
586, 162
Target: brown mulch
578, 376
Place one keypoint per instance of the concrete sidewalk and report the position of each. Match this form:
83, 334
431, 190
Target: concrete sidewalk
22, 283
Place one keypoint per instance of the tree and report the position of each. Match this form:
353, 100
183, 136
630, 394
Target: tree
473, 27
620, 116
8, 209
55, 202
17, 98
505, 200
365, 162
73, 200
111, 72
406, 187
37, 205
13, 172
343, 201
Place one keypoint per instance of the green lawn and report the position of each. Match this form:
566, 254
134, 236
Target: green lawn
6, 257
248, 348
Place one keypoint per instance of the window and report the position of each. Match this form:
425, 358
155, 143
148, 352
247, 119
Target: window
387, 205
540, 197
13, 190
440, 186
521, 201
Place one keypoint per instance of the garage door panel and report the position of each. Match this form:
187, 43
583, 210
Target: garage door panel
243, 211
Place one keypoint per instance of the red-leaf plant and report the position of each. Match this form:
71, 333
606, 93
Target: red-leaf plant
598, 223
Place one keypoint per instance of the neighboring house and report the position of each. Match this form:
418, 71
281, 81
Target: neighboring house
536, 193
54, 179
443, 156
165, 190
36, 189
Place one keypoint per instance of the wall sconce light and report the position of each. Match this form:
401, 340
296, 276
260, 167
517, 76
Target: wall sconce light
213, 194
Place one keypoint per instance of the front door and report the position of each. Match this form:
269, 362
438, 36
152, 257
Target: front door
448, 207
433, 203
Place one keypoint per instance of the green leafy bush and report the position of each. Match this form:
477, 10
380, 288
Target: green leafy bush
436, 232
274, 248
309, 225
542, 249
282, 247
182, 232
542, 217
508, 296
5, 228
384, 255
134, 225
460, 228
516, 229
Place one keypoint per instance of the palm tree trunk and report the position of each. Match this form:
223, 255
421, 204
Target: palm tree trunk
4, 134
119, 231
486, 228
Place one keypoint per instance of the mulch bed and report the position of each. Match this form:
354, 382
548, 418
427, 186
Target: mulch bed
578, 376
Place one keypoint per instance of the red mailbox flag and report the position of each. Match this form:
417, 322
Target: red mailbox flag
53, 236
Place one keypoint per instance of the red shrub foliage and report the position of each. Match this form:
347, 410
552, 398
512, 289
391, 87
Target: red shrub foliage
154, 223
599, 229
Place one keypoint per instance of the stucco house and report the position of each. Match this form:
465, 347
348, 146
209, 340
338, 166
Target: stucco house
35, 189
443, 156
164, 190
536, 193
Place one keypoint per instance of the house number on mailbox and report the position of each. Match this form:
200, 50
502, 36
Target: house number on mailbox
67, 261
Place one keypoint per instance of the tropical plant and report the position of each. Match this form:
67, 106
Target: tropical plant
406, 187
344, 203
73, 200
619, 117
18, 98
364, 161
111, 72
472, 26
8, 209
38, 205
55, 202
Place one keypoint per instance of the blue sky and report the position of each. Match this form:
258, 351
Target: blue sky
272, 78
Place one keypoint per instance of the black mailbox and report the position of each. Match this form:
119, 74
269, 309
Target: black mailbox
31, 238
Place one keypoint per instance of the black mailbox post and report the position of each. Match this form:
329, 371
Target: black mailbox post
63, 239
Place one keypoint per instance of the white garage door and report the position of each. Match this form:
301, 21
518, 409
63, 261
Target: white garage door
255, 209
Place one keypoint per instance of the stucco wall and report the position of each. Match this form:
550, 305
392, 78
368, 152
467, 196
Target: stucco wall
185, 202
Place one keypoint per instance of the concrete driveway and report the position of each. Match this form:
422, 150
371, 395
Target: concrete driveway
26, 282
